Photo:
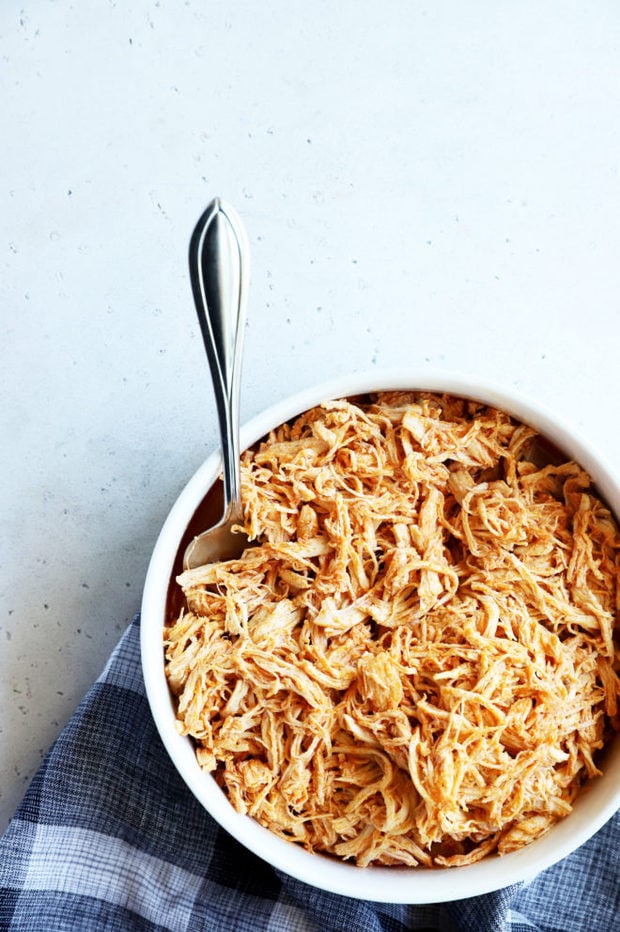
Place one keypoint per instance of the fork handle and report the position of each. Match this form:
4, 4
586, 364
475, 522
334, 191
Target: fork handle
219, 273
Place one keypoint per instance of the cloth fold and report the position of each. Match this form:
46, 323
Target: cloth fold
108, 837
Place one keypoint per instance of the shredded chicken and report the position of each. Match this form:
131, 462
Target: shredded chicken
418, 661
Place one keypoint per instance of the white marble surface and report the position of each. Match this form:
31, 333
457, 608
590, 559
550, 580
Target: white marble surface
422, 184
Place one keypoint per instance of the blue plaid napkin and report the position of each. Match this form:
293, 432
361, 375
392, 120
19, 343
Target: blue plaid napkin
109, 837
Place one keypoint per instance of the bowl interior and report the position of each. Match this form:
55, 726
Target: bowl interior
198, 506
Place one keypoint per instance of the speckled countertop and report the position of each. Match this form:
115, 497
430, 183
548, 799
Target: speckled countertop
422, 185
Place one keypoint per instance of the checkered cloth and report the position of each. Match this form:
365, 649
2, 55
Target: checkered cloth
109, 837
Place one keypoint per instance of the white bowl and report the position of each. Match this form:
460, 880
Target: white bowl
596, 804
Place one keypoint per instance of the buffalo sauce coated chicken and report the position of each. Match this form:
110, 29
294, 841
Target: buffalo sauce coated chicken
418, 661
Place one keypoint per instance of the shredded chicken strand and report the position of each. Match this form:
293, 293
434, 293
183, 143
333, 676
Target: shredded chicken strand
418, 661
